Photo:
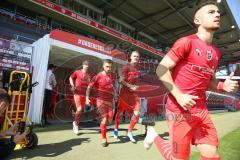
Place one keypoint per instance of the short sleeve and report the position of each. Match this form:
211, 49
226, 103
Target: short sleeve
74, 75
94, 81
180, 49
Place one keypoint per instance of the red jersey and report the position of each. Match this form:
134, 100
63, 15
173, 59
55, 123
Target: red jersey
104, 86
196, 63
82, 80
131, 74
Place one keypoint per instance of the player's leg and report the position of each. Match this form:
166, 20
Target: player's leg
110, 113
103, 128
132, 124
102, 112
205, 138
180, 134
208, 152
118, 117
79, 102
134, 120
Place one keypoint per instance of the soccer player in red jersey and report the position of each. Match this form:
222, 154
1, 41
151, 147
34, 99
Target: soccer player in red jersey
188, 70
103, 83
128, 99
79, 81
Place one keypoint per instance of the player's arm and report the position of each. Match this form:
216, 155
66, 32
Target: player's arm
72, 78
89, 88
88, 91
228, 85
123, 82
115, 89
71, 81
164, 73
214, 84
177, 53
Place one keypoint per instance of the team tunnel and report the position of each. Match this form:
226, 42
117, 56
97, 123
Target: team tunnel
67, 52
66, 62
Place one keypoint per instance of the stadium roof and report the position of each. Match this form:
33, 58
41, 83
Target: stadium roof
163, 20
167, 20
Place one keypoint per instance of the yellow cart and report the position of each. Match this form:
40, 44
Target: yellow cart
19, 88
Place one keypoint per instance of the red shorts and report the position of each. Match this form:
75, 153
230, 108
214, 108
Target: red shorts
186, 129
104, 109
79, 100
123, 105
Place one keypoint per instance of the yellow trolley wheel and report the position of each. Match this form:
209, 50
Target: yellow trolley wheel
32, 140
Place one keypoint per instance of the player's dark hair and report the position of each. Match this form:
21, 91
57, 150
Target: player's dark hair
86, 62
107, 61
204, 3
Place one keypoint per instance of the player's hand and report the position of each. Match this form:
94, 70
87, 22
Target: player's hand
88, 101
186, 101
134, 87
230, 85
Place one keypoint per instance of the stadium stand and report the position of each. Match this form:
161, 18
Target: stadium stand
26, 26
28, 29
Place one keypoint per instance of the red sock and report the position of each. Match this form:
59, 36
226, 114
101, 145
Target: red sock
164, 147
214, 158
133, 121
77, 117
103, 128
117, 119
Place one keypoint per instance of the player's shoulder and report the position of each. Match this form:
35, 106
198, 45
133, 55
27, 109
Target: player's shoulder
99, 74
74, 73
126, 65
96, 77
77, 71
138, 67
131, 66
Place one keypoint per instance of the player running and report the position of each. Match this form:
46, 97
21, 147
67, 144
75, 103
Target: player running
79, 81
188, 71
103, 83
128, 98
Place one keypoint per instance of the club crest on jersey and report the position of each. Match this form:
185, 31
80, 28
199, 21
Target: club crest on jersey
209, 55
